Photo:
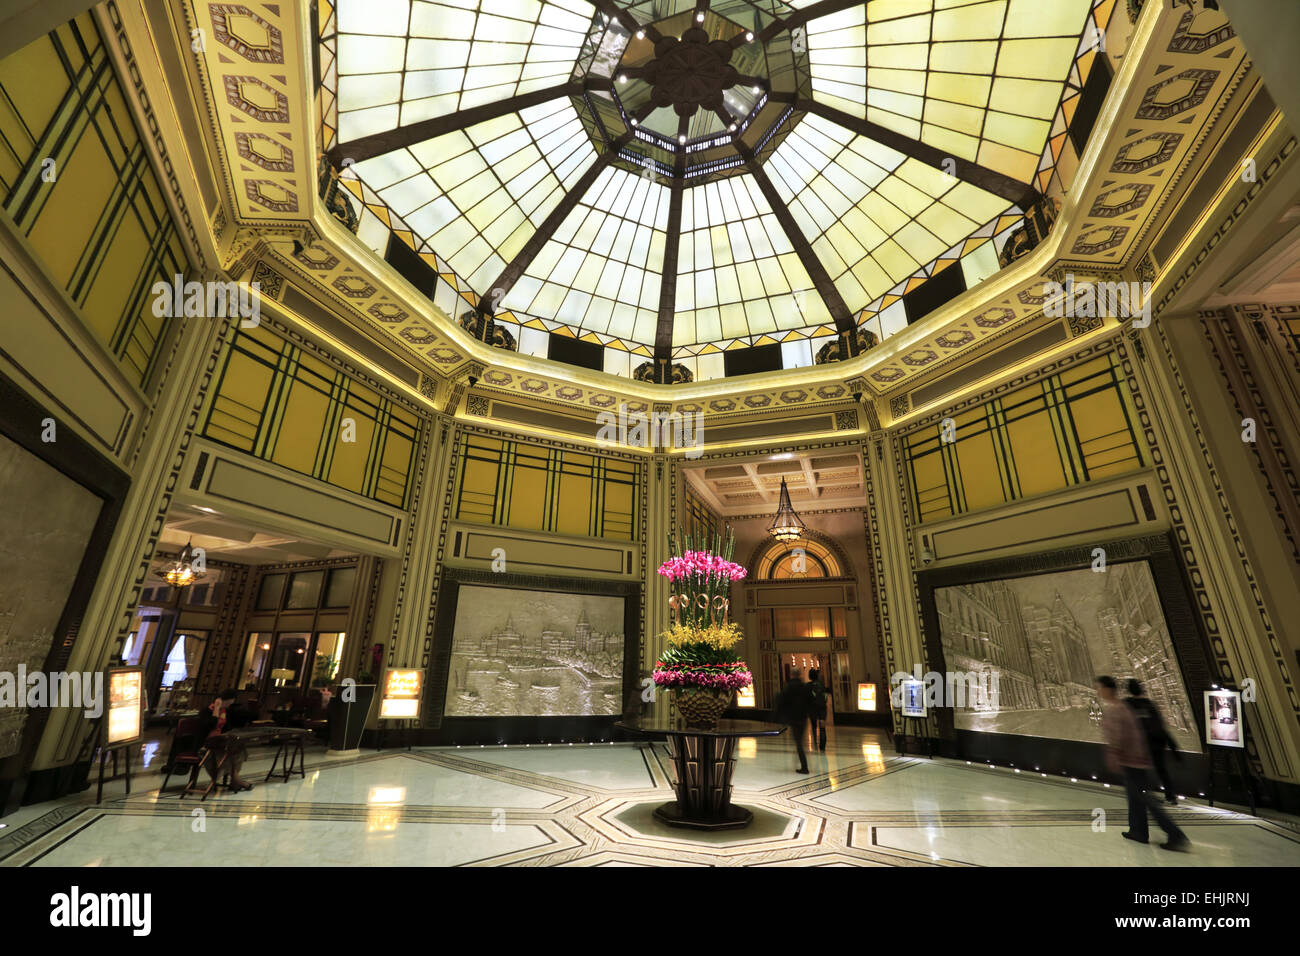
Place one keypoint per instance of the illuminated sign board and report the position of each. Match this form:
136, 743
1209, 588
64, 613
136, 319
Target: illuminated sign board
401, 699
866, 697
125, 705
745, 696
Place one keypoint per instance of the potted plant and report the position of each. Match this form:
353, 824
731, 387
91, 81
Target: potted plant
349, 707
700, 666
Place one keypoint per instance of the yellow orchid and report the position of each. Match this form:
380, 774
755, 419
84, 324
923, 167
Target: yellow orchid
720, 636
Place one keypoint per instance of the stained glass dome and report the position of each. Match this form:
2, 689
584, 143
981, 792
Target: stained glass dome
676, 181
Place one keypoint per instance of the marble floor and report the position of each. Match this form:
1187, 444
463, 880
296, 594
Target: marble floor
590, 805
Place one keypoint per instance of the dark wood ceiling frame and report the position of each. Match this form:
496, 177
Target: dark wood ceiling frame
990, 180
614, 12
377, 144
987, 179
806, 15
844, 320
516, 267
668, 272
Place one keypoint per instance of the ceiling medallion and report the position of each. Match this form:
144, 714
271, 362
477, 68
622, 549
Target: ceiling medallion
691, 72
696, 83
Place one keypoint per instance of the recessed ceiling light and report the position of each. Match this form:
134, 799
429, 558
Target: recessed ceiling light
757, 90
733, 127
681, 139
622, 77
633, 120
640, 34
699, 17
749, 37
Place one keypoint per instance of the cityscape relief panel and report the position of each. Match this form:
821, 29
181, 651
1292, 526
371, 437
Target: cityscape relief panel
40, 551
1047, 636
525, 653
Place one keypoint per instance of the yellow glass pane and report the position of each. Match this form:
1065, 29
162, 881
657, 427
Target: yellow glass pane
1034, 450
978, 464
302, 425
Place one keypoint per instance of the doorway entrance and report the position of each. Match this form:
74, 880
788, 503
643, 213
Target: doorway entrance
806, 662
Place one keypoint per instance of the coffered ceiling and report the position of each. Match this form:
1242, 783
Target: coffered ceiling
815, 480
228, 539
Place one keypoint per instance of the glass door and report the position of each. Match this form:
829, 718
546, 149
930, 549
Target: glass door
255, 657
289, 662
180, 670
326, 657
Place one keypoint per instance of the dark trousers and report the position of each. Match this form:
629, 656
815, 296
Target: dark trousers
1158, 757
818, 735
796, 731
1140, 803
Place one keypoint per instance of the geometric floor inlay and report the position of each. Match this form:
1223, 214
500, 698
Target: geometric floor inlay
582, 805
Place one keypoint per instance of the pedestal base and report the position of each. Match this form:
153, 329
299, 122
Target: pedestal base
731, 818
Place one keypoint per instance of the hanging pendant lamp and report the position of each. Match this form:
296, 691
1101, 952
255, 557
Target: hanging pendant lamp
786, 526
183, 572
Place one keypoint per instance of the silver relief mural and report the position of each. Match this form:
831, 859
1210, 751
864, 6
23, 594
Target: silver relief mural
1047, 636
524, 653
48, 522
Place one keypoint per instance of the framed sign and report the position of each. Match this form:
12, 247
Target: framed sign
402, 690
125, 724
1223, 726
866, 697
913, 697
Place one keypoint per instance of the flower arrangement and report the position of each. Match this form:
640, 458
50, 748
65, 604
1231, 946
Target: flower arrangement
700, 665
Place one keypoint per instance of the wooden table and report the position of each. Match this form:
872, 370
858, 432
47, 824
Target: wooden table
226, 745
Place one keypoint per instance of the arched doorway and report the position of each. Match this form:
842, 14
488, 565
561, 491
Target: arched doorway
805, 601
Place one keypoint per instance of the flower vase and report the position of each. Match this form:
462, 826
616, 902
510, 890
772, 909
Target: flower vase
700, 707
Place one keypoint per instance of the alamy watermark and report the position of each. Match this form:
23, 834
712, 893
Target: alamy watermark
653, 430
77, 908
1098, 300
961, 690
234, 300
38, 690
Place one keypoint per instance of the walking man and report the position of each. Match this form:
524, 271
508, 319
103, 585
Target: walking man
1126, 753
1157, 737
817, 709
791, 708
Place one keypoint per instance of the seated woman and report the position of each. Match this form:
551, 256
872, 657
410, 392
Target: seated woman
220, 716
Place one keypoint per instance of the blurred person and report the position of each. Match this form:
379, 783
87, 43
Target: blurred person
817, 698
1157, 737
791, 708
1126, 753
220, 716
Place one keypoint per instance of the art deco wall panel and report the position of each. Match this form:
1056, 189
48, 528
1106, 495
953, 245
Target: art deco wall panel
533, 554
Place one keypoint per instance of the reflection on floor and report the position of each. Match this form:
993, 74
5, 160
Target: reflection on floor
590, 805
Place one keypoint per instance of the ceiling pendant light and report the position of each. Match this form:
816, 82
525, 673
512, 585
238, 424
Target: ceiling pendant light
183, 572
786, 526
